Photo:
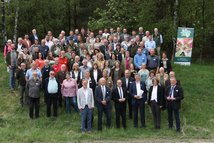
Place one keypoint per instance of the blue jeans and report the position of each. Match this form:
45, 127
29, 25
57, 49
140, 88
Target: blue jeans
12, 83
86, 114
71, 101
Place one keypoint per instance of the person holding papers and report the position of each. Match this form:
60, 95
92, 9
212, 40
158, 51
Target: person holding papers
119, 95
139, 93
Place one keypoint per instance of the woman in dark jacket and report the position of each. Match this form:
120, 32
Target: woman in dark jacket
165, 63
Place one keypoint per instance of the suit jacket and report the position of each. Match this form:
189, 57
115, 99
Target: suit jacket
99, 74
81, 100
133, 92
160, 96
8, 58
130, 81
116, 97
120, 74
178, 95
99, 97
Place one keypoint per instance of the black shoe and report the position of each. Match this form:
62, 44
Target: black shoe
178, 130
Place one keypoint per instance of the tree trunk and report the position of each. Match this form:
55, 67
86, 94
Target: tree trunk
4, 33
16, 25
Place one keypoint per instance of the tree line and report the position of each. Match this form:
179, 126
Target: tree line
22, 16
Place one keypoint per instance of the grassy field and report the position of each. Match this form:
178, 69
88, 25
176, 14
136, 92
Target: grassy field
197, 115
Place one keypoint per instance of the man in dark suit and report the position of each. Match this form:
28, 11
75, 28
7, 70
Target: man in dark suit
139, 96
172, 75
119, 96
126, 83
103, 99
174, 95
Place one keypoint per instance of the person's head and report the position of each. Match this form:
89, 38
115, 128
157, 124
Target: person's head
127, 73
156, 30
26, 36
152, 52
113, 56
84, 62
77, 58
84, 83
49, 33
139, 51
124, 30
105, 73
150, 37
132, 42
40, 56
118, 47
43, 42
9, 42
91, 35
172, 74
36, 41
76, 31
147, 33
33, 65
23, 66
102, 81
115, 39
137, 77
62, 33
95, 65
106, 30
87, 74
106, 64
173, 81
126, 38
100, 56
63, 67
35, 74
140, 29
19, 40
75, 66
118, 29
46, 63
13, 46
141, 44
51, 74
100, 32
131, 66
68, 75
127, 54
97, 40
62, 53
21, 55
137, 38
164, 55
105, 42
119, 83
152, 74
155, 81
111, 30
143, 66
56, 60
133, 33
34, 31
161, 70
117, 64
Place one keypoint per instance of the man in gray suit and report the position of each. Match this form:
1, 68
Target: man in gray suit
85, 102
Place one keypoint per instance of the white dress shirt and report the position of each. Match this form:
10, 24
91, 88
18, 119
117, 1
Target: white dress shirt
52, 86
103, 88
138, 87
120, 91
154, 93
95, 74
86, 95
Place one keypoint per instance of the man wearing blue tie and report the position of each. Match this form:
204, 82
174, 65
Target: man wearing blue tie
174, 95
139, 96
103, 99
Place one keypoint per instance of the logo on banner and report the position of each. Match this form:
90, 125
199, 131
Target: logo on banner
185, 33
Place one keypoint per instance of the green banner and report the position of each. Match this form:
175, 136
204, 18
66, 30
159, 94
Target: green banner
184, 45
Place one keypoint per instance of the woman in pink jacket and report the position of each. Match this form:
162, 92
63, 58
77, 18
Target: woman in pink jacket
69, 89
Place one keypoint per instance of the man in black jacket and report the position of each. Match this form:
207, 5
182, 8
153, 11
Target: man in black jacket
20, 76
174, 95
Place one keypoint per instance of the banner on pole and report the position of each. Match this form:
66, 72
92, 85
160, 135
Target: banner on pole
184, 45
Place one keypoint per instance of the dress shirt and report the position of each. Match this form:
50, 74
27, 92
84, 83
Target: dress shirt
95, 74
120, 91
85, 91
154, 93
52, 86
138, 87
103, 91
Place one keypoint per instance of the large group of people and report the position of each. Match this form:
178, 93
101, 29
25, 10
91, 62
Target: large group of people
87, 71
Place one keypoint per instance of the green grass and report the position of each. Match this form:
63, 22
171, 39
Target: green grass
197, 115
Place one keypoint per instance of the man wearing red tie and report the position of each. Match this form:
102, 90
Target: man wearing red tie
119, 96
174, 95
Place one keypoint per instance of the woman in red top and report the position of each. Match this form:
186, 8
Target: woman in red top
40, 62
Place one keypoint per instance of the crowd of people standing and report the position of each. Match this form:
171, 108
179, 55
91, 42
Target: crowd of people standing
84, 70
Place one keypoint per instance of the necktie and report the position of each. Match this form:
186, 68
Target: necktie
103, 91
121, 96
172, 91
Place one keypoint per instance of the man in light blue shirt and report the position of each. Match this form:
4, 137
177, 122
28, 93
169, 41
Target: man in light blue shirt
150, 44
139, 59
29, 73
